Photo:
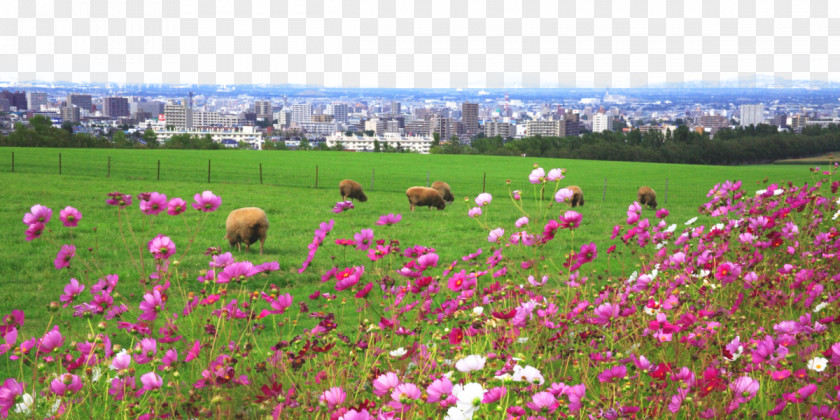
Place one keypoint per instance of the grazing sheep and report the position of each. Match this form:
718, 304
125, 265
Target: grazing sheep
577, 195
247, 225
647, 196
422, 196
351, 189
445, 192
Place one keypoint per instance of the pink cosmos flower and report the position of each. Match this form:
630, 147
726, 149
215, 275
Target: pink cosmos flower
69, 216
176, 206
474, 212
37, 214
493, 395
563, 194
151, 305
677, 400
662, 213
517, 195
427, 260
613, 374
587, 253
154, 204
162, 247
537, 176
522, 221
605, 312
342, 206
483, 199
543, 402
576, 395
440, 390
194, 350
406, 393
62, 260
363, 239
333, 397
356, 415
495, 234
66, 384
348, 277
145, 350
71, 290
744, 388
570, 219
151, 381
120, 362
236, 272
555, 174
389, 219
364, 291
207, 202
383, 384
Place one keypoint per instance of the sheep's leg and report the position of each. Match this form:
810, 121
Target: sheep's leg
262, 241
238, 247
247, 247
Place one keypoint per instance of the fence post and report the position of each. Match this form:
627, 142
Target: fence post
260, 173
109, 167
208, 171
372, 174
604, 198
316, 177
484, 183
59, 163
158, 173
427, 179
13, 162
666, 190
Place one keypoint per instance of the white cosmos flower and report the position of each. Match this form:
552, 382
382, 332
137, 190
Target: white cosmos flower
25, 405
778, 191
478, 310
468, 397
671, 228
718, 226
522, 340
690, 221
455, 414
817, 364
400, 352
661, 244
820, 306
528, 374
505, 378
54, 408
470, 363
836, 215
760, 192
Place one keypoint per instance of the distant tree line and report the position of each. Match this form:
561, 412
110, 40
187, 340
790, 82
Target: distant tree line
742, 145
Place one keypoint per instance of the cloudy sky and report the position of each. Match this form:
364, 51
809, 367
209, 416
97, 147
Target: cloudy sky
423, 43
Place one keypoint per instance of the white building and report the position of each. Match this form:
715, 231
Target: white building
752, 114
301, 113
418, 144
35, 100
202, 119
179, 116
319, 128
339, 112
600, 122
247, 134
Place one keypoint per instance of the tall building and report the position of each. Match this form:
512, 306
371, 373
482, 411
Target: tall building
752, 115
263, 111
496, 128
601, 122
780, 120
396, 107
569, 126
543, 128
469, 115
17, 99
339, 112
70, 114
116, 107
142, 110
283, 117
417, 128
34, 100
179, 116
301, 113
797, 122
82, 101
442, 126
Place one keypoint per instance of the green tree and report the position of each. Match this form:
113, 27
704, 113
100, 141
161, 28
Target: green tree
119, 139
304, 144
376, 146
150, 138
67, 126
436, 139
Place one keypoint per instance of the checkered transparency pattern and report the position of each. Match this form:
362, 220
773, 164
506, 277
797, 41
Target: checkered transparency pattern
422, 43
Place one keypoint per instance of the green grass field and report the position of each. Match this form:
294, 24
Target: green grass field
295, 209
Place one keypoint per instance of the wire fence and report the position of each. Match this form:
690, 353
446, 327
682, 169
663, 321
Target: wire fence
222, 168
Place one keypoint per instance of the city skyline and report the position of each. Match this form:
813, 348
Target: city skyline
425, 44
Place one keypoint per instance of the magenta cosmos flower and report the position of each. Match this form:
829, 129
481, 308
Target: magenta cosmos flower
66, 384
348, 277
613, 374
483, 199
237, 272
151, 381
207, 202
176, 206
342, 206
151, 305
162, 247
117, 198
570, 219
37, 214
34, 231
9, 393
71, 290
389, 219
154, 204
50, 341
383, 384
62, 260
70, 217
363, 239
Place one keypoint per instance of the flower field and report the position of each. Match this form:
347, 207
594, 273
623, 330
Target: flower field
505, 305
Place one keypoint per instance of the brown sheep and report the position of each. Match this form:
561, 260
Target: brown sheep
577, 195
422, 196
647, 196
247, 225
351, 189
445, 192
